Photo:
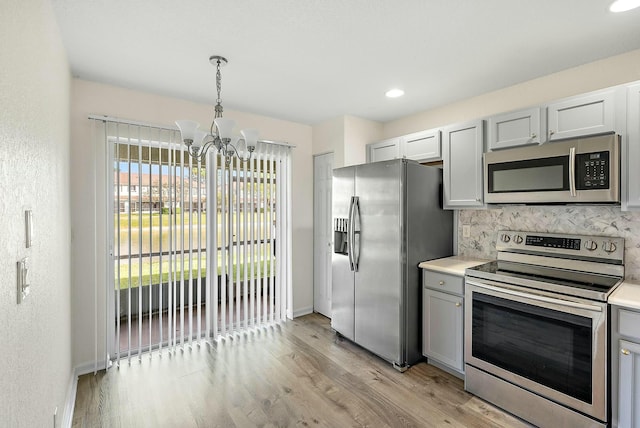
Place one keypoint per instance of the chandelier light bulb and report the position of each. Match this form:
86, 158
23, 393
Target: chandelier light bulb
187, 130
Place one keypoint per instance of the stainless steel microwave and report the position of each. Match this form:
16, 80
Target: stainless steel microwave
584, 170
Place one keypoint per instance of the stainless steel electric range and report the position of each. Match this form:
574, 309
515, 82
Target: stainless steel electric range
537, 330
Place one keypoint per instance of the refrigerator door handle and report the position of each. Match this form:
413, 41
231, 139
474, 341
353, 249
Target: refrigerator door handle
349, 234
356, 233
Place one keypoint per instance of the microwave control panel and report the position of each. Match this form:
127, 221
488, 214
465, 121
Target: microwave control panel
592, 170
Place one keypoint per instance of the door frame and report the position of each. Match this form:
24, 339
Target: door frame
324, 311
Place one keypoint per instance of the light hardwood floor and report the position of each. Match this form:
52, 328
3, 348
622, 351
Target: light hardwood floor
295, 374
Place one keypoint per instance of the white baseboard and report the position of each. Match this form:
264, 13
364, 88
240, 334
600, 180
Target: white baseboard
72, 389
302, 311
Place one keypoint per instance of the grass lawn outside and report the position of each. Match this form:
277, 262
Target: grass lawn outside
144, 236
149, 237
151, 270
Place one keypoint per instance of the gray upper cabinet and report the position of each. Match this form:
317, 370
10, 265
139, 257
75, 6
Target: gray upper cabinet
515, 129
421, 146
633, 146
383, 150
462, 148
588, 114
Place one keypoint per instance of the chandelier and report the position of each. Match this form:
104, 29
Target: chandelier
220, 133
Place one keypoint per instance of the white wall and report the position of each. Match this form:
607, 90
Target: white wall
328, 137
346, 137
35, 367
358, 133
92, 98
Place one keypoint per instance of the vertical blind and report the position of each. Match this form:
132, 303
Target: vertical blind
196, 251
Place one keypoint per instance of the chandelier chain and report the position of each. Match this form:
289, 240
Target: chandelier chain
218, 107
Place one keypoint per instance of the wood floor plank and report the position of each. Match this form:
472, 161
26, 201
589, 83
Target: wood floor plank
297, 373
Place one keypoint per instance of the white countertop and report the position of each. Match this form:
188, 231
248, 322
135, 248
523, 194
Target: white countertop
626, 295
454, 265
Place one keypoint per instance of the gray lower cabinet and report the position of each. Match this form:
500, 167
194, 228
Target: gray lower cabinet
442, 318
629, 385
625, 367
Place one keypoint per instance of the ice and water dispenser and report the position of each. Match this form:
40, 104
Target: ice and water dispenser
340, 238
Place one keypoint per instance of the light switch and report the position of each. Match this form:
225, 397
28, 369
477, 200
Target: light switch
28, 228
23, 279
466, 230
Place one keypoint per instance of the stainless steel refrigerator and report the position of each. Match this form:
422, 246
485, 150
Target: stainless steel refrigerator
387, 218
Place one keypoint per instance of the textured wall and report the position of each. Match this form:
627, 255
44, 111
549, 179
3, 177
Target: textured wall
35, 367
588, 220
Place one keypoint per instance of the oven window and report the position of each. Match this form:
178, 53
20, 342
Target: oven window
537, 175
546, 346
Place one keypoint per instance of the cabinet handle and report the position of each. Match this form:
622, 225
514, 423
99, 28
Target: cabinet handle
441, 282
625, 351
458, 304
534, 136
551, 132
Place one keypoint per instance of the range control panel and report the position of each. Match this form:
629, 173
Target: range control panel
602, 247
553, 242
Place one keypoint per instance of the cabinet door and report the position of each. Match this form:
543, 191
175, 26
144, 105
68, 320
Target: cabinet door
443, 328
462, 148
629, 385
384, 150
633, 146
422, 146
515, 129
584, 115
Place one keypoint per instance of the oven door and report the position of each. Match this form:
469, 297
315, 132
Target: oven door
555, 348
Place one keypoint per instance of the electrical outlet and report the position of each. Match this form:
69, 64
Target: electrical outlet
466, 230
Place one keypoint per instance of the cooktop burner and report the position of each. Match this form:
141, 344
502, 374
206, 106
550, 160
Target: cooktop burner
574, 265
561, 277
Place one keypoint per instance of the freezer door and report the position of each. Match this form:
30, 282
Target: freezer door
342, 277
378, 284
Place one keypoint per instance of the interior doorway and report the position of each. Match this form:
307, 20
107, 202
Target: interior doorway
322, 233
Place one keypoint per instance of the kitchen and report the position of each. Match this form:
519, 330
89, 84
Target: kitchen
554, 232
349, 137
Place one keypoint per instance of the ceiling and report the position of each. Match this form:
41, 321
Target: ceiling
312, 60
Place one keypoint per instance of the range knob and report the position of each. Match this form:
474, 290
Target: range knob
609, 246
505, 238
517, 239
590, 245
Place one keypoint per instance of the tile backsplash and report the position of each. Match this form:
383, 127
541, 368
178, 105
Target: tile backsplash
583, 220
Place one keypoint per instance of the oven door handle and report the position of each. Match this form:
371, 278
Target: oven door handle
536, 297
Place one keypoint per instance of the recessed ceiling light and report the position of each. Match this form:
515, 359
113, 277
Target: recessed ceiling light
394, 93
624, 5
